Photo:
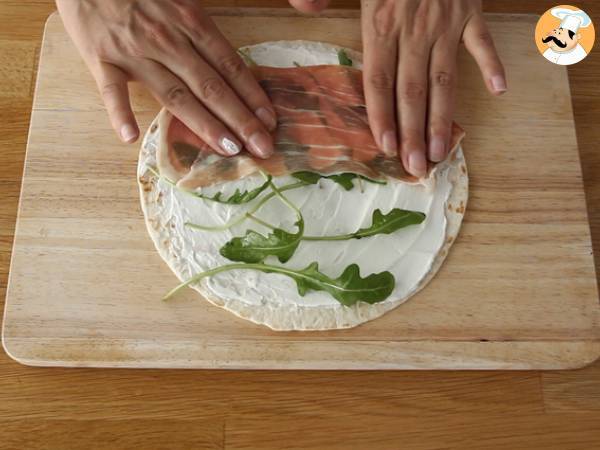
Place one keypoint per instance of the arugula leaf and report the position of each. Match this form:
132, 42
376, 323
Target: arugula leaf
308, 177
238, 197
249, 214
348, 289
380, 224
344, 59
390, 222
343, 179
254, 247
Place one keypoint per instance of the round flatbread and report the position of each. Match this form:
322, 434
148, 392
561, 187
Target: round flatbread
413, 255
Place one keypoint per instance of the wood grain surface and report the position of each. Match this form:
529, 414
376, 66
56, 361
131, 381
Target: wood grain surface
518, 289
84, 408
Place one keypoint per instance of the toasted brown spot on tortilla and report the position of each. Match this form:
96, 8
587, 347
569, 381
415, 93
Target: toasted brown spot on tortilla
154, 128
463, 168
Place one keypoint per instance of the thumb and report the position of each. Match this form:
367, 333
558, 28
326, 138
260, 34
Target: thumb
309, 6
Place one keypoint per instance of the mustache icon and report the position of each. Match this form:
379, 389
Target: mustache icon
555, 40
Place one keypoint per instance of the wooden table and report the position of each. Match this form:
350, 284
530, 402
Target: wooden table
66, 408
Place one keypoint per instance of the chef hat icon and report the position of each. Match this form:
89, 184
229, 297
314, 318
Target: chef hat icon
572, 19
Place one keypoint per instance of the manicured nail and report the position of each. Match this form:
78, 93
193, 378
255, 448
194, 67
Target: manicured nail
229, 145
416, 163
261, 144
437, 149
499, 83
128, 133
267, 117
389, 143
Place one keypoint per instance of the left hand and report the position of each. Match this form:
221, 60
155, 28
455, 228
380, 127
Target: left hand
410, 72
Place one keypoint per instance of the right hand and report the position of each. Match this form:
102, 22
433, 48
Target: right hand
177, 52
410, 68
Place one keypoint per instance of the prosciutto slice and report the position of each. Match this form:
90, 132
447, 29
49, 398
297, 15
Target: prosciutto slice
322, 127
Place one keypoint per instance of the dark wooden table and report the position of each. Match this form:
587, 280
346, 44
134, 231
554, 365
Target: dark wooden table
85, 408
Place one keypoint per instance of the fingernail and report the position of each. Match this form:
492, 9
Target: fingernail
499, 83
437, 149
261, 144
128, 133
229, 145
417, 164
389, 143
267, 117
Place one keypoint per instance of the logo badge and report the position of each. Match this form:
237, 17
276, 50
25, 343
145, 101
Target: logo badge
565, 35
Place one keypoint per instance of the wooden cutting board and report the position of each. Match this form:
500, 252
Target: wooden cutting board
518, 290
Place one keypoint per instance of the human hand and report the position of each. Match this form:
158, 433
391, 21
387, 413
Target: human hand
177, 52
410, 72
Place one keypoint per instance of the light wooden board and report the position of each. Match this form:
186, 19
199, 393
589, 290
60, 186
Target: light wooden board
517, 291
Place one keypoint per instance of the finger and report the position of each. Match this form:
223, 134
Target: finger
412, 106
379, 69
309, 6
216, 95
218, 52
480, 45
112, 84
442, 91
172, 93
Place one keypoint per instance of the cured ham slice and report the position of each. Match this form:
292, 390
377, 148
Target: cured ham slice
322, 127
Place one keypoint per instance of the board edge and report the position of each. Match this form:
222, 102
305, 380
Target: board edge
260, 355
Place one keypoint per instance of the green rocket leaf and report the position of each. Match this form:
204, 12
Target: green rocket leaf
348, 289
390, 222
343, 58
380, 224
308, 177
254, 247
346, 180
238, 197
